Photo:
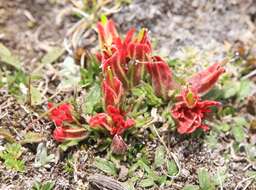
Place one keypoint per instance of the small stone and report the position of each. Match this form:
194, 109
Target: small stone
185, 173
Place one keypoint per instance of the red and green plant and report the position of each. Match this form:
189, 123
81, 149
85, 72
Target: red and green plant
125, 63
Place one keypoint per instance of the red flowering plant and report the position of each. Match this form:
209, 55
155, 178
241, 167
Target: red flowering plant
112, 89
161, 77
125, 56
203, 81
63, 120
114, 121
190, 111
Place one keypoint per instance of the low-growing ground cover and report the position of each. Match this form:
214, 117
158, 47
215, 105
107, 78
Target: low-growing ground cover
157, 99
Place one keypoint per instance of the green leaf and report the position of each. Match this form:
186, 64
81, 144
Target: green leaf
17, 80
251, 152
131, 183
223, 127
32, 137
13, 150
145, 90
86, 77
65, 145
220, 176
17, 165
205, 181
92, 99
43, 186
106, 166
212, 140
144, 166
159, 156
36, 96
231, 88
52, 55
240, 121
10, 156
90, 74
191, 187
172, 168
245, 89
148, 182
7, 57
238, 133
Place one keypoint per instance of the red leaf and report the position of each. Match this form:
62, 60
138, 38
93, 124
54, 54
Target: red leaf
112, 90
107, 33
161, 77
61, 134
204, 80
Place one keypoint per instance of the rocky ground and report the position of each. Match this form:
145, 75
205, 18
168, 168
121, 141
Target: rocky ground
179, 29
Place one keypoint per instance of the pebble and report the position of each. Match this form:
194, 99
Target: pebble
185, 173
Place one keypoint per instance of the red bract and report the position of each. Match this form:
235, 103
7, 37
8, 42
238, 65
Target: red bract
190, 112
204, 80
107, 33
125, 57
113, 121
161, 76
118, 145
112, 90
62, 116
67, 133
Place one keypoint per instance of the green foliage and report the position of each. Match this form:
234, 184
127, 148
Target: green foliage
148, 182
238, 133
223, 127
159, 156
92, 99
90, 73
106, 166
172, 168
17, 83
151, 176
220, 176
52, 55
191, 187
8, 58
67, 144
69, 165
11, 157
239, 89
238, 130
32, 137
43, 186
130, 183
145, 92
35, 95
205, 180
